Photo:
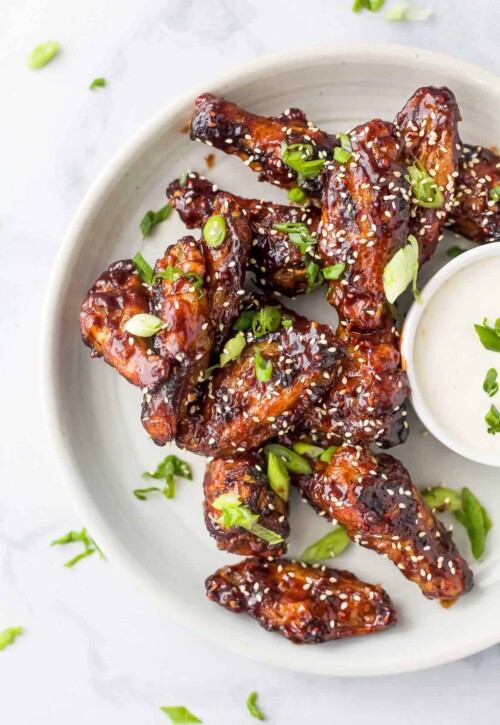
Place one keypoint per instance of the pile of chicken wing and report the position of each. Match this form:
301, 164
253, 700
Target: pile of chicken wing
233, 374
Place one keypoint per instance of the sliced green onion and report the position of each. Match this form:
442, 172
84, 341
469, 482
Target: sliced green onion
214, 231
90, 547
297, 195
331, 545
474, 522
8, 636
144, 270
489, 336
144, 325
180, 714
298, 157
401, 270
371, 5
42, 54
307, 449
442, 499
424, 188
287, 323
490, 385
404, 12
327, 456
292, 460
172, 274
334, 271
235, 514
314, 275
298, 234
166, 470
267, 319
252, 707
263, 368
152, 218
279, 478
343, 153
495, 194
97, 83
142, 493
492, 418
455, 252
232, 349
244, 321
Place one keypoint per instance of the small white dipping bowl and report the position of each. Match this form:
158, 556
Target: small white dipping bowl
447, 381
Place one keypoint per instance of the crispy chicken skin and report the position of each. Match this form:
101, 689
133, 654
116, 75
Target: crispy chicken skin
475, 214
366, 404
257, 140
238, 412
428, 125
226, 267
118, 295
186, 342
306, 605
366, 210
245, 477
277, 264
374, 499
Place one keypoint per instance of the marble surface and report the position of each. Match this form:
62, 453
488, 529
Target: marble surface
94, 650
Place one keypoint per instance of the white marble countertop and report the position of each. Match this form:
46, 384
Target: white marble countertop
94, 650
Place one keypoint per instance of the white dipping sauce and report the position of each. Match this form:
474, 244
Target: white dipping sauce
449, 360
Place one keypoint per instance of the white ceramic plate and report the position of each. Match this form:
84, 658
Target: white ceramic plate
94, 415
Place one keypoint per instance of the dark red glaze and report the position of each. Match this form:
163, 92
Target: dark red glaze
475, 214
226, 267
305, 604
366, 211
428, 125
374, 499
186, 342
245, 477
277, 264
238, 412
257, 139
366, 404
118, 295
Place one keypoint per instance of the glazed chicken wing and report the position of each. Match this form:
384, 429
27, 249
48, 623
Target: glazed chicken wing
239, 412
374, 499
277, 264
366, 209
366, 404
476, 214
246, 478
118, 295
305, 604
257, 140
428, 125
182, 302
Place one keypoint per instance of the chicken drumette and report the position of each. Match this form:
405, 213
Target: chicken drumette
304, 604
374, 499
277, 264
259, 140
428, 125
245, 478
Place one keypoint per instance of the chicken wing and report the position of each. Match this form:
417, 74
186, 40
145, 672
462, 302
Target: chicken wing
428, 125
305, 604
238, 412
118, 295
245, 478
366, 404
186, 343
476, 214
366, 211
277, 264
374, 499
258, 140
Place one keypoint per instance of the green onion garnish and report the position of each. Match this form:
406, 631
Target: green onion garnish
252, 707
297, 195
371, 5
298, 157
279, 478
233, 513
307, 449
490, 385
152, 218
492, 418
404, 12
332, 544
489, 336
327, 456
172, 274
42, 54
292, 460
87, 541
453, 252
97, 83
232, 349
144, 325
442, 498
424, 188
214, 231
180, 714
333, 272
263, 367
166, 470
343, 153
8, 636
144, 270
495, 194
401, 270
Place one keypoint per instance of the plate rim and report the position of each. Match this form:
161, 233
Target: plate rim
401, 55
